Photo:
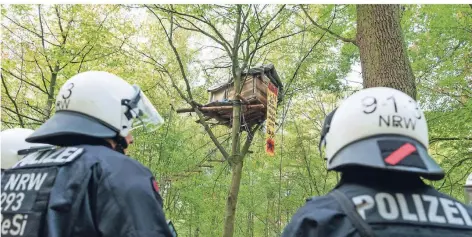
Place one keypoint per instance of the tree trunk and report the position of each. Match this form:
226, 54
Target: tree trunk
236, 159
236, 171
383, 53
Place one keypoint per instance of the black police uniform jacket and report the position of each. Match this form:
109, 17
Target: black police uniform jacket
395, 208
81, 191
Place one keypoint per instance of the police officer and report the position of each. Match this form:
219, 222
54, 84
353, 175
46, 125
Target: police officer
378, 140
86, 186
468, 190
14, 146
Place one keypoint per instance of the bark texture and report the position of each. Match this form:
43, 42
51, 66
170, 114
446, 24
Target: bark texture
235, 161
382, 48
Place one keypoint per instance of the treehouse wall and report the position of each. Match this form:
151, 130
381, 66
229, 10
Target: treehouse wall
219, 95
253, 90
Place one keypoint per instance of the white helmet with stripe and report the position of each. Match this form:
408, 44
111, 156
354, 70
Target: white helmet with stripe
381, 128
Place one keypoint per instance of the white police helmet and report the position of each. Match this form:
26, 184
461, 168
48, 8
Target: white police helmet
99, 105
14, 147
468, 190
381, 128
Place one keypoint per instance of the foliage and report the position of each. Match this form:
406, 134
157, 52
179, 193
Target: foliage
40, 53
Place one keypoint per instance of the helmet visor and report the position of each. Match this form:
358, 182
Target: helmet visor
146, 118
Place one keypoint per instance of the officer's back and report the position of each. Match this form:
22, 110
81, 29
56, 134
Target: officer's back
87, 187
393, 204
377, 139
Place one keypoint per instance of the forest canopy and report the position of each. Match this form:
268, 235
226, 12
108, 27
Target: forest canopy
176, 52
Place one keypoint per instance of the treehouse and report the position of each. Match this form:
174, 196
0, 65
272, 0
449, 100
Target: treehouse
253, 97
254, 86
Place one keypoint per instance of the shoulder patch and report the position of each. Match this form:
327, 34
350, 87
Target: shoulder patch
154, 184
52, 157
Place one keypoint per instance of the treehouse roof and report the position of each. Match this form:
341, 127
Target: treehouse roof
269, 71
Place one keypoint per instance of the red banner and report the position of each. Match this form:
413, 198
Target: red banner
272, 92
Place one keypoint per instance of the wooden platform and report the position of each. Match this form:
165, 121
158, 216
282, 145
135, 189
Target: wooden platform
253, 111
253, 97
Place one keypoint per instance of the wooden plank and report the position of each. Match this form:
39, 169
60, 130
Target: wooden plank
250, 97
243, 99
262, 88
254, 116
215, 108
246, 88
261, 98
247, 93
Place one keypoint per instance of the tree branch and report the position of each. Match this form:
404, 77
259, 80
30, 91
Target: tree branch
23, 80
274, 40
203, 122
95, 57
454, 166
83, 59
353, 41
64, 35
199, 30
100, 26
176, 53
190, 99
43, 78
12, 124
16, 53
262, 28
225, 44
31, 31
243, 23
22, 115
307, 164
35, 108
50, 31
306, 56
249, 138
17, 111
41, 25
